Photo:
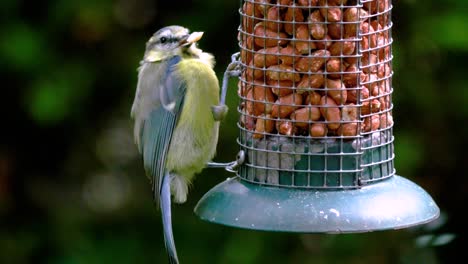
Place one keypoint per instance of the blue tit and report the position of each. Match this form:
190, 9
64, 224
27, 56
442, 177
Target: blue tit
176, 128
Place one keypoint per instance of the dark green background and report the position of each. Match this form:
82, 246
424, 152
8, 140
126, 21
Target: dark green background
72, 188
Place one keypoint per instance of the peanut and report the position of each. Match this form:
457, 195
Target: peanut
242, 89
247, 121
317, 27
283, 3
376, 6
266, 57
352, 94
248, 24
254, 73
293, 14
383, 42
280, 88
262, 6
385, 102
371, 123
330, 14
386, 120
249, 21
335, 30
303, 116
385, 86
259, 99
349, 112
246, 56
288, 55
318, 130
263, 126
336, 90
346, 47
285, 105
249, 10
282, 73
372, 83
325, 43
249, 42
312, 98
351, 28
370, 106
307, 3
337, 2
348, 129
369, 39
303, 47
330, 112
352, 75
265, 37
310, 81
369, 63
273, 19
314, 62
334, 68
286, 128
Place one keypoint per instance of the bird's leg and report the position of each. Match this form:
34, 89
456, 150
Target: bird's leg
233, 70
212, 164
229, 166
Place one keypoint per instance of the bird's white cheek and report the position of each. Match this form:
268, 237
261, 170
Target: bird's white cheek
152, 56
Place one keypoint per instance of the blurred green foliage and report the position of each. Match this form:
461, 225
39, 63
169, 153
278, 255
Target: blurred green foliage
72, 188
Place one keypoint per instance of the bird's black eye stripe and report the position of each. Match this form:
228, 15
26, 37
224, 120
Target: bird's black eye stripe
164, 40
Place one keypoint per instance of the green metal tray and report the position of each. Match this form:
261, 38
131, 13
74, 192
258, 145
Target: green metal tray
392, 203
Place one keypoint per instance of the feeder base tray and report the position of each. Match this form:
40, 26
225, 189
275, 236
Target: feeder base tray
392, 203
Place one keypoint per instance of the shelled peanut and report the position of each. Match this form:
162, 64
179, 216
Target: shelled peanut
315, 67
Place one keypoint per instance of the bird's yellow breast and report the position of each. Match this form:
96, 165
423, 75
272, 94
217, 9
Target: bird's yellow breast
196, 134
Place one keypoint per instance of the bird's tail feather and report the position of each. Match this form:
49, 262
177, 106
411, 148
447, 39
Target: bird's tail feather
165, 205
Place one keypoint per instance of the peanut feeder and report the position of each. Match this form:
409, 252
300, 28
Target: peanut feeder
316, 123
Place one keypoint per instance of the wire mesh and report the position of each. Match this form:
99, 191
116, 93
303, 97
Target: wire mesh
316, 92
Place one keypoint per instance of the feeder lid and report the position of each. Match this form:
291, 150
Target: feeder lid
392, 203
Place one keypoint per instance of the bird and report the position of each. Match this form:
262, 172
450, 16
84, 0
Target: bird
176, 113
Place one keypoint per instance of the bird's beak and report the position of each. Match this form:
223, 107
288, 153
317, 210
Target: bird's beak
190, 39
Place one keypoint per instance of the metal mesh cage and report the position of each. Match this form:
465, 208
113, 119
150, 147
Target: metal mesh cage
316, 123
315, 93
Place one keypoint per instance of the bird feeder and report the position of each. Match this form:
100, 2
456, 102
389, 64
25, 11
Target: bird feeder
316, 126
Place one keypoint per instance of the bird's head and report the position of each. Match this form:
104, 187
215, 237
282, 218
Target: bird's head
171, 41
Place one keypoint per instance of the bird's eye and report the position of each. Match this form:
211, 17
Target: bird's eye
163, 40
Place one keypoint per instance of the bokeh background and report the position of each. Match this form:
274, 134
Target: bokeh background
72, 187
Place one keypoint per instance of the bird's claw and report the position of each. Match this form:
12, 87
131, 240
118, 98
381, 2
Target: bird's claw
234, 68
230, 166
219, 111
234, 73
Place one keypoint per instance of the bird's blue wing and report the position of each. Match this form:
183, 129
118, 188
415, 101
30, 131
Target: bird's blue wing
158, 105
156, 109
157, 128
